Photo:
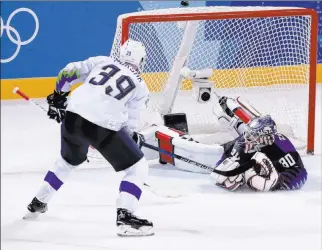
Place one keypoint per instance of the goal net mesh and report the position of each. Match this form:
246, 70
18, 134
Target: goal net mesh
264, 60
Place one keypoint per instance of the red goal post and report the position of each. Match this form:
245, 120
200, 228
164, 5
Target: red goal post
134, 18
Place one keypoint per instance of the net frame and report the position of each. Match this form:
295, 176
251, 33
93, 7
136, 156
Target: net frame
209, 13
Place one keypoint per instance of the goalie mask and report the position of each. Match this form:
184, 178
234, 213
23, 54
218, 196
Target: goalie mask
260, 132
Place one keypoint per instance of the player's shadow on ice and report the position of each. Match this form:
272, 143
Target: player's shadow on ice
211, 188
170, 171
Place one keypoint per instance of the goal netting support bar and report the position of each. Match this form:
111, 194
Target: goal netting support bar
266, 55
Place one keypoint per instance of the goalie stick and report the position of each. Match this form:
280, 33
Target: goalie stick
241, 169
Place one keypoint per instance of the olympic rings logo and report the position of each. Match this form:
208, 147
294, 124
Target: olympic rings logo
10, 29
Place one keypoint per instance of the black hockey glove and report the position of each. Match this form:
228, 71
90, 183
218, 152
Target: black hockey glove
57, 102
223, 104
138, 138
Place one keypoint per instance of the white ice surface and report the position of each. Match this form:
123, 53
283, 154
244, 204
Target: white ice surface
82, 215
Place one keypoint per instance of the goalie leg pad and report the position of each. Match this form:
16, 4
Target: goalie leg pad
248, 108
178, 143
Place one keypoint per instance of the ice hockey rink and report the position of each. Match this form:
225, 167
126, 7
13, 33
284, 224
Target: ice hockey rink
82, 215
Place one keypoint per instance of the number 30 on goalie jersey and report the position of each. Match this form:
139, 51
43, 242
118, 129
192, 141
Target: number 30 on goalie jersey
112, 95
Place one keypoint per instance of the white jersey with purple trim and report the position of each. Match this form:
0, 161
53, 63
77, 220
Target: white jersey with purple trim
112, 93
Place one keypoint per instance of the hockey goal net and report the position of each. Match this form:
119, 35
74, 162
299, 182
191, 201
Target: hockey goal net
264, 54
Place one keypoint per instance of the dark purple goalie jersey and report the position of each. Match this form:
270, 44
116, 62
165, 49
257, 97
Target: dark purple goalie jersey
285, 158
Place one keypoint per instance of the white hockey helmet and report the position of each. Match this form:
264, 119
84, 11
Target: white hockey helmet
133, 52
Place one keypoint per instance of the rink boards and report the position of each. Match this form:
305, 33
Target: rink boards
247, 77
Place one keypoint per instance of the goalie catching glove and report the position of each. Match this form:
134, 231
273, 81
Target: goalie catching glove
261, 177
57, 102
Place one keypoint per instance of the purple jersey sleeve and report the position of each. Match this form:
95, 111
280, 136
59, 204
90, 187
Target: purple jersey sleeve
284, 144
291, 179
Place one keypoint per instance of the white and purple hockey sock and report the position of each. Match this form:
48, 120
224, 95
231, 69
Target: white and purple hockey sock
131, 185
54, 180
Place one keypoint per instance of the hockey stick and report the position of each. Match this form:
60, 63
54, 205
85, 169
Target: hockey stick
161, 194
148, 187
241, 169
24, 96
16, 90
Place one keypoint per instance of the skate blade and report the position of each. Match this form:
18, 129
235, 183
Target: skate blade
31, 216
128, 231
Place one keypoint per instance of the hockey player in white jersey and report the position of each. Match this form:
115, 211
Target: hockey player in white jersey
102, 112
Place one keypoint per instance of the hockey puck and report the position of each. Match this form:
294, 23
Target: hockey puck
184, 3
162, 162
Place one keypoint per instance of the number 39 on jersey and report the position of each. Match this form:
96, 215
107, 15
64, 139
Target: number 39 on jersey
117, 86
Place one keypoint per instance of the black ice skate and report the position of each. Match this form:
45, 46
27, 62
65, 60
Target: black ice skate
130, 225
35, 208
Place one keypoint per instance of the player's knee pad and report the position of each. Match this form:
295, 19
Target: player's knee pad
59, 174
